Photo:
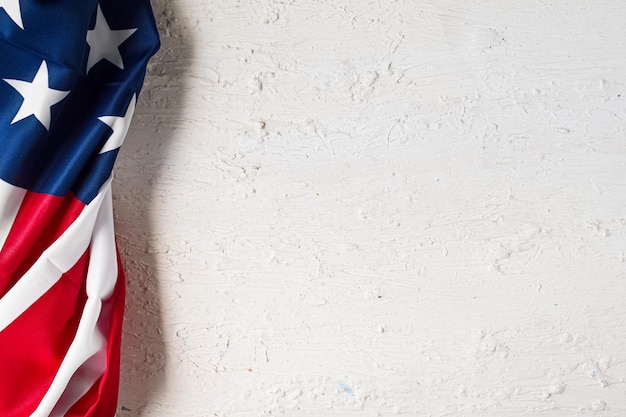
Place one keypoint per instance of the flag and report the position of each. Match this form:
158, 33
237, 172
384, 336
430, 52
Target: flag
70, 73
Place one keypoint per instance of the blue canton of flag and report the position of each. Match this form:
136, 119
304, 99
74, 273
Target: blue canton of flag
70, 74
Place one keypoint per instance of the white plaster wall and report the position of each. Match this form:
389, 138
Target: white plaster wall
378, 208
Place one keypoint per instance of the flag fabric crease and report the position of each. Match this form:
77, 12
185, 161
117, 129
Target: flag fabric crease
70, 73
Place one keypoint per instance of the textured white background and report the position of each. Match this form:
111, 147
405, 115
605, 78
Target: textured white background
378, 208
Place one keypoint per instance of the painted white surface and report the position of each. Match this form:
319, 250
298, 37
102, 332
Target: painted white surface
377, 208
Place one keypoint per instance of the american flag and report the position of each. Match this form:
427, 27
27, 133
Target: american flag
70, 72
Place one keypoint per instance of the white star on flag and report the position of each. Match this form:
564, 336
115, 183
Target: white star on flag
12, 7
119, 125
104, 43
38, 97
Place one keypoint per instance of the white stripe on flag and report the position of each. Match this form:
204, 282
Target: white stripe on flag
59, 258
85, 360
10, 201
82, 380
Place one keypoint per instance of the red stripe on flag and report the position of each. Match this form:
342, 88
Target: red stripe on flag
42, 218
34, 345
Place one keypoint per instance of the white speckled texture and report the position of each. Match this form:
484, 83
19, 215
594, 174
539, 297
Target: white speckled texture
377, 208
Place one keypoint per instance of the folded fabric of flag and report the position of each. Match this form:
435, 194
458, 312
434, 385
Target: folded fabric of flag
70, 74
